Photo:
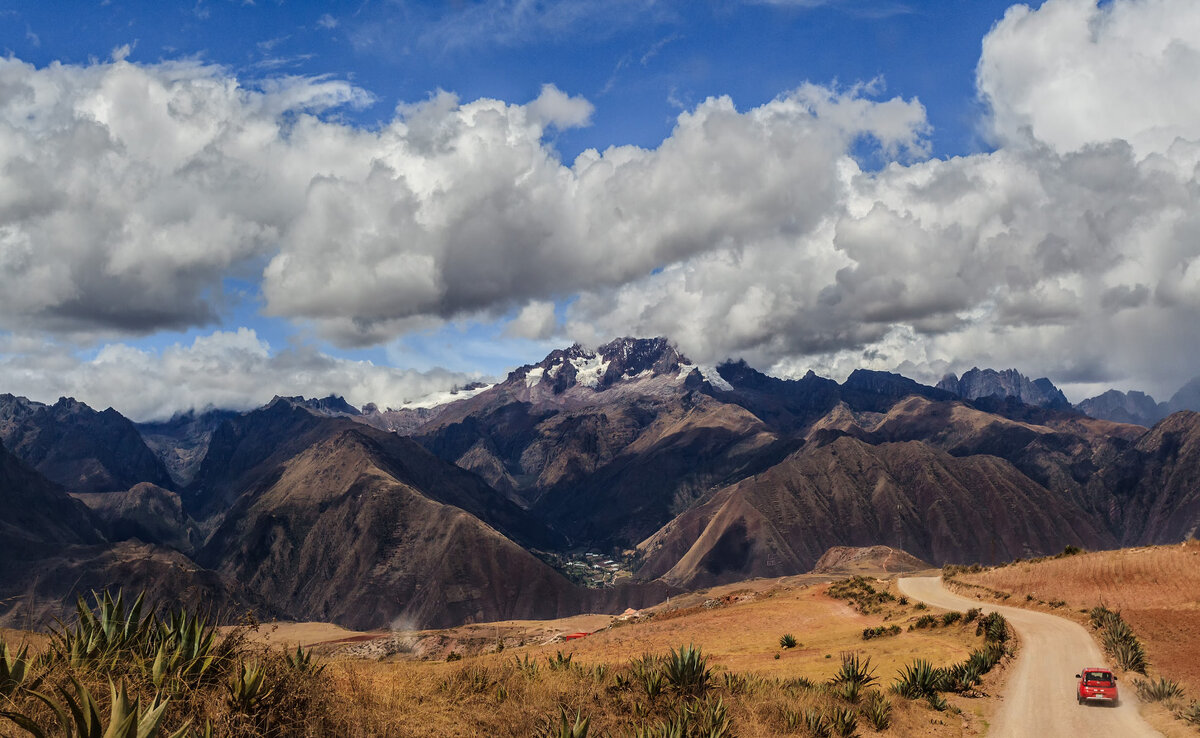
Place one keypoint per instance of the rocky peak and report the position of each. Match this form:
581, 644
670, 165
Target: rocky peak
980, 383
618, 360
333, 405
1124, 407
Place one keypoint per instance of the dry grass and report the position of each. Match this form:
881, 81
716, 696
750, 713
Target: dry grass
490, 694
1154, 588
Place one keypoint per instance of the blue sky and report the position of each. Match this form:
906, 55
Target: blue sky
282, 189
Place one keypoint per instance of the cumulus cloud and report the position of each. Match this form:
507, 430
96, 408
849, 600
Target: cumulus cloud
128, 193
224, 369
1071, 250
1075, 72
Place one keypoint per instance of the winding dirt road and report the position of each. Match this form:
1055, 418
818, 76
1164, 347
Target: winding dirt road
1040, 697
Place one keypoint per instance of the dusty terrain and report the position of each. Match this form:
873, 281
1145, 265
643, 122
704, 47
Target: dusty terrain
1156, 589
1039, 698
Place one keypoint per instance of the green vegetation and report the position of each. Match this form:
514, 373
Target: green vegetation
922, 680
881, 631
165, 673
1119, 639
861, 594
787, 640
1157, 690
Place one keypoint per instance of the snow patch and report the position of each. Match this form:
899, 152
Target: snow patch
442, 398
534, 376
709, 373
589, 370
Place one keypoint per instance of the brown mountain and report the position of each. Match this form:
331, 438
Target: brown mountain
146, 512
36, 516
77, 447
362, 527
51, 549
1150, 492
849, 493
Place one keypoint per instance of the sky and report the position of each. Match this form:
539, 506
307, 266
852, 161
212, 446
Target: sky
209, 203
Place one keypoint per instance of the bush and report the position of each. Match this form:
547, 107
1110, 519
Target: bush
1189, 714
926, 621
787, 640
993, 627
880, 631
951, 618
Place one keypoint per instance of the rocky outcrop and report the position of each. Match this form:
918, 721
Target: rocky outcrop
867, 560
980, 383
182, 441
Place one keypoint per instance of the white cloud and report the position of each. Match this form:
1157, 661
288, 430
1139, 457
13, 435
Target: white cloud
128, 193
225, 369
1075, 72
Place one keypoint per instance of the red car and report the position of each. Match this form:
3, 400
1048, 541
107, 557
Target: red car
1098, 685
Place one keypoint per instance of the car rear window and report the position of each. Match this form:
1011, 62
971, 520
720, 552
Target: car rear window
1098, 676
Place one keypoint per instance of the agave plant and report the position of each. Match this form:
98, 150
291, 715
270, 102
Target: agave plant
919, 679
687, 670
14, 668
1130, 656
302, 661
248, 688
80, 717
817, 724
560, 661
854, 671
1158, 690
843, 721
564, 727
100, 638
787, 640
878, 711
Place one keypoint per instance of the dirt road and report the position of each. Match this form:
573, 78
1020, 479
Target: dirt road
1040, 697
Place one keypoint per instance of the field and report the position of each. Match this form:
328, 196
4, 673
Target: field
1154, 588
490, 685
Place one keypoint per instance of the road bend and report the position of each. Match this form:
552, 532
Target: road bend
1039, 699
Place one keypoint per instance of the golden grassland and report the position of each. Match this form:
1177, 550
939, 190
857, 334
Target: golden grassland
489, 695
765, 689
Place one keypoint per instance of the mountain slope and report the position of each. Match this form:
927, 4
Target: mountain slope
1149, 491
36, 516
362, 528
75, 446
848, 493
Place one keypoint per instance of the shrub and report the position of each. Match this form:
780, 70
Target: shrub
1119, 639
926, 621
787, 641
951, 618
1157, 690
880, 631
559, 662
14, 667
1071, 551
1189, 714
972, 614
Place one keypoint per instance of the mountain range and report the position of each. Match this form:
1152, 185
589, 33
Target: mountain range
502, 502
